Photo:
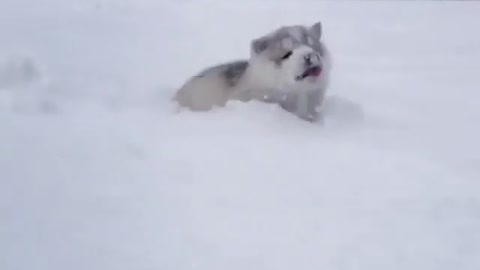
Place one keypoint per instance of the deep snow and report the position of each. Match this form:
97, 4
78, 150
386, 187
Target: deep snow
97, 171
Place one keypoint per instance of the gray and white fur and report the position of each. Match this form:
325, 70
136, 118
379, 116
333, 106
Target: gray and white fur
289, 66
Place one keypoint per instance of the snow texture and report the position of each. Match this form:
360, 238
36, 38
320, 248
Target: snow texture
99, 171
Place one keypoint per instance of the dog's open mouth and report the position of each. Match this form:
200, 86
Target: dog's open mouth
310, 72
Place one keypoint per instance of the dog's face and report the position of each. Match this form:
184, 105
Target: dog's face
294, 54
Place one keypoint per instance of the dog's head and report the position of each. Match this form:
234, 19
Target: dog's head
293, 54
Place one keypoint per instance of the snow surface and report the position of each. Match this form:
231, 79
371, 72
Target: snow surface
98, 171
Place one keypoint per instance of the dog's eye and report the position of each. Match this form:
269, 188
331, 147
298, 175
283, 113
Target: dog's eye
287, 55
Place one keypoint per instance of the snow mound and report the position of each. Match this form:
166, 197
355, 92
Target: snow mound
17, 71
23, 88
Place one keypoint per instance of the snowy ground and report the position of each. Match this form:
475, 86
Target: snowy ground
98, 172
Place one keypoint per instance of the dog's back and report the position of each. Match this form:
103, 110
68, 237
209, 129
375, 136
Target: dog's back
212, 87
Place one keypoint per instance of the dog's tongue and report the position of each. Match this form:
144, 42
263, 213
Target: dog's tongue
311, 72
315, 71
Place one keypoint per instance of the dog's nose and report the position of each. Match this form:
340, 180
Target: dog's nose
312, 59
308, 59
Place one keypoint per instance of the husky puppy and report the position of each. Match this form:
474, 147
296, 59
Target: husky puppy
289, 66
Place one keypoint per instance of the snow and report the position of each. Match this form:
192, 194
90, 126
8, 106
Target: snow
99, 171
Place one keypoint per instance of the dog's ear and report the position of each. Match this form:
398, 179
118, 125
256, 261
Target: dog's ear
316, 30
259, 45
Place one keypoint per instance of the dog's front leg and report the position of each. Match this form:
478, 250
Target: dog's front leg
315, 104
303, 105
309, 105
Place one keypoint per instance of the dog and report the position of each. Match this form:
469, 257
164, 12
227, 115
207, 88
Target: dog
289, 66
